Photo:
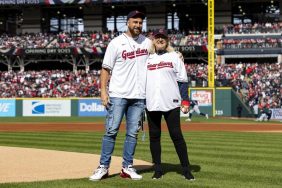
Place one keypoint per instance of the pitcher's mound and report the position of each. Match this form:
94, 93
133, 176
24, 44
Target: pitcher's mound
28, 165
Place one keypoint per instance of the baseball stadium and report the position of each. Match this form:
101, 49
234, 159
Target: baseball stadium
52, 116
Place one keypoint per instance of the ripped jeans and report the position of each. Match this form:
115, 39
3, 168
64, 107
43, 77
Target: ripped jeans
117, 107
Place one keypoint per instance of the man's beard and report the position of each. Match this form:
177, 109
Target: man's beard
134, 33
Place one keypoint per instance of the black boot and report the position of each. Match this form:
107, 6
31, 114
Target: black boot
158, 172
187, 174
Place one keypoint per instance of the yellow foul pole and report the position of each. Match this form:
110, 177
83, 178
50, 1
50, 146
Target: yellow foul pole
211, 43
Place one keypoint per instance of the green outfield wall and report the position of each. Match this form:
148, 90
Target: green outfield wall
219, 101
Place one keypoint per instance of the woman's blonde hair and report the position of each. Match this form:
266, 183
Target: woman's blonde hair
152, 49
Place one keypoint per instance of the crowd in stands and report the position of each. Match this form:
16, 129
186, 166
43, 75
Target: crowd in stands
48, 84
253, 82
252, 43
61, 40
197, 74
249, 28
177, 38
88, 39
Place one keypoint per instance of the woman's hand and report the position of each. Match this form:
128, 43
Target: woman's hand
184, 109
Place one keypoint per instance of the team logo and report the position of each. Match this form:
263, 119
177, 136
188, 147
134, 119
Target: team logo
133, 54
93, 107
160, 65
38, 108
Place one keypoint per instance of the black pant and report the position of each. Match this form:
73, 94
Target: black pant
172, 119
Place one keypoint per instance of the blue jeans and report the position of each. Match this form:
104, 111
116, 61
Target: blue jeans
117, 107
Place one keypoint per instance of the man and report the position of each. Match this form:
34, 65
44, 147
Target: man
239, 110
124, 60
195, 107
265, 112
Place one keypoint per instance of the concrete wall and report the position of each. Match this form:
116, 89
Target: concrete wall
93, 18
223, 14
31, 22
156, 17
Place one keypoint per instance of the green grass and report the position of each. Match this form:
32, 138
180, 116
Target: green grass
51, 119
195, 119
219, 159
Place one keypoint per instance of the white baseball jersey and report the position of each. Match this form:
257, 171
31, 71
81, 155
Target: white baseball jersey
126, 58
163, 73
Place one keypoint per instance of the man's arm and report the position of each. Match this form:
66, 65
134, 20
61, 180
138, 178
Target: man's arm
105, 74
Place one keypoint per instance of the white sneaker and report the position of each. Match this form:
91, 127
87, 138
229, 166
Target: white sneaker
207, 116
130, 172
188, 119
100, 173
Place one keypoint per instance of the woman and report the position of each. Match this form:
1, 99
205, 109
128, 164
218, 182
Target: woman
166, 74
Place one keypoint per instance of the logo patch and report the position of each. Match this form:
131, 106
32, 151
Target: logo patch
38, 108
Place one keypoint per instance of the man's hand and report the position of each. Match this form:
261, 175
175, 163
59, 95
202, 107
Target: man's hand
104, 98
104, 82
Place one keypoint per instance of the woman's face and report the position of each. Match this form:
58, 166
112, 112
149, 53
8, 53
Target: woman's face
160, 43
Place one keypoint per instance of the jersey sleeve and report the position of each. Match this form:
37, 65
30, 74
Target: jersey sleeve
181, 77
183, 89
110, 56
179, 68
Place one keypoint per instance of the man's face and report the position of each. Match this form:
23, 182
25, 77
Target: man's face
135, 26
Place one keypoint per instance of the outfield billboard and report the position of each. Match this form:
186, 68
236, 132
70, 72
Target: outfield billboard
46, 108
276, 113
91, 107
204, 97
8, 108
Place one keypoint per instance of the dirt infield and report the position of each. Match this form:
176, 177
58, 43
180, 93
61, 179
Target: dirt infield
29, 165
245, 127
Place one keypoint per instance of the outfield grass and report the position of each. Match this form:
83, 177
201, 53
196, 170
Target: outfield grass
195, 119
51, 119
219, 159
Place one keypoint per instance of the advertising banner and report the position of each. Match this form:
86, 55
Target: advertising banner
204, 97
91, 107
46, 108
47, 51
8, 108
276, 113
